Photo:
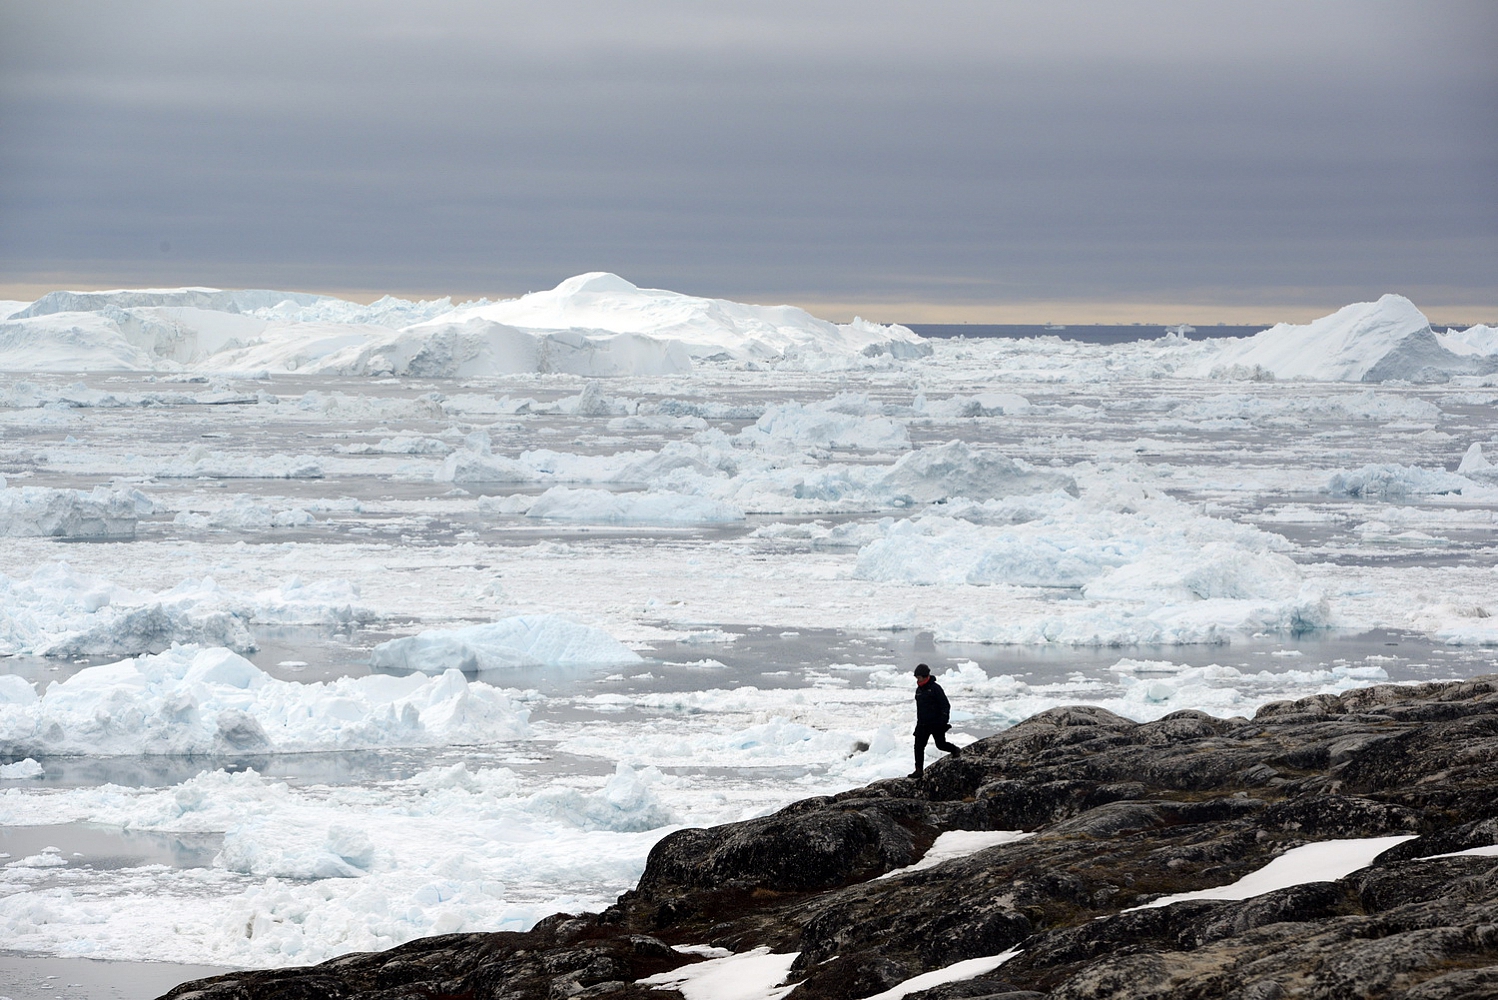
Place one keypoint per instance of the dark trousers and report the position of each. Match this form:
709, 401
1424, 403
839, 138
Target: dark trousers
939, 734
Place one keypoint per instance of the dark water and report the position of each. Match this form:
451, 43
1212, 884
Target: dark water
1103, 333
1091, 333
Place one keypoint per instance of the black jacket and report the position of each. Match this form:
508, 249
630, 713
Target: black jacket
932, 710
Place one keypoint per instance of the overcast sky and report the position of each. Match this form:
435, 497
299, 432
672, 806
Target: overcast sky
912, 161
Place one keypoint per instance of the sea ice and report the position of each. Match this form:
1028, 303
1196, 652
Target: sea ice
522, 641
20, 770
57, 612
192, 700
201, 462
99, 514
603, 507
1389, 480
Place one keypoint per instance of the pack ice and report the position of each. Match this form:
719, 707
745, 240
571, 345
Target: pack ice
101, 513
197, 700
521, 641
595, 324
1363, 342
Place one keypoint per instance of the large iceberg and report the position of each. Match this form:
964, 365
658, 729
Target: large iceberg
1364, 342
706, 328
521, 641
594, 325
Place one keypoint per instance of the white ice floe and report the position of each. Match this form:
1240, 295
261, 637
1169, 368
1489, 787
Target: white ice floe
191, 700
20, 770
604, 507
1326, 861
58, 612
1363, 342
201, 462
750, 975
245, 514
841, 422
959, 844
1389, 480
982, 404
101, 513
522, 641
955, 973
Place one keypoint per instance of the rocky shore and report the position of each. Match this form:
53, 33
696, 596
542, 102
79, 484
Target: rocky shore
1120, 814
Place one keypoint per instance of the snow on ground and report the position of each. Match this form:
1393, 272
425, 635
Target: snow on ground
685, 594
959, 844
957, 972
750, 975
1325, 861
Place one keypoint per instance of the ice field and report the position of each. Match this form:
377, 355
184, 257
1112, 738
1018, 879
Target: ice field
328, 626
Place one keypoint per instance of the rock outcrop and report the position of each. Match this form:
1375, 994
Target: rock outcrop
1121, 813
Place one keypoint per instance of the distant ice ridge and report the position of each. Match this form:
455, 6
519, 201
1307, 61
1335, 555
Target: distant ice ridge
102, 513
196, 700
1364, 342
521, 641
594, 324
57, 612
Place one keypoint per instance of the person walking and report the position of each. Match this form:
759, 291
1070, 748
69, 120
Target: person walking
932, 715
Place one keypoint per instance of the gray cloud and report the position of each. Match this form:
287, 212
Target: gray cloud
958, 152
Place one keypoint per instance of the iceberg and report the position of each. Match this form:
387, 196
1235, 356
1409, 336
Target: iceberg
707, 329
521, 641
1363, 342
